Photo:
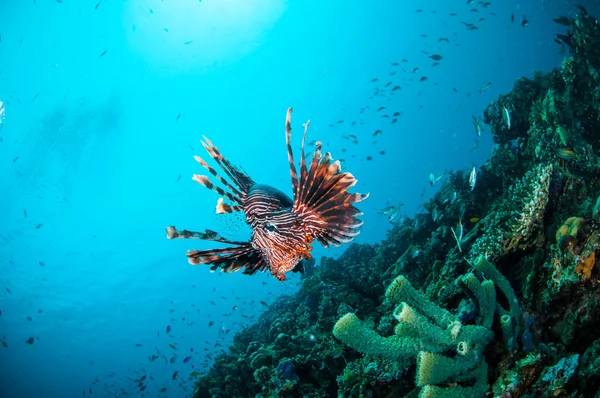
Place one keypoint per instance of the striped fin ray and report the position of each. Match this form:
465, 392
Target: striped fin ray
204, 181
218, 177
322, 200
239, 178
288, 141
241, 181
174, 233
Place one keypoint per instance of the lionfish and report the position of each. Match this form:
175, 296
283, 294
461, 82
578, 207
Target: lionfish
283, 229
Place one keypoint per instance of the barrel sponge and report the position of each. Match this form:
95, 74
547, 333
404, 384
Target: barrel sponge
354, 333
400, 290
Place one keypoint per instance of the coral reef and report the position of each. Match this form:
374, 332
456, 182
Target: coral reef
423, 313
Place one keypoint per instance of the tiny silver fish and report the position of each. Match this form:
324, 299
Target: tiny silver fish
473, 178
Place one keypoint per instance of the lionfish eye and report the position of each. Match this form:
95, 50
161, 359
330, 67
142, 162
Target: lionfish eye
270, 227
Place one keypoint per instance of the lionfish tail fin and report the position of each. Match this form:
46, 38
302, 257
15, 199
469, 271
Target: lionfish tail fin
236, 191
227, 259
322, 200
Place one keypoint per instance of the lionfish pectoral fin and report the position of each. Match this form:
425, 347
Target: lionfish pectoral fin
321, 198
230, 259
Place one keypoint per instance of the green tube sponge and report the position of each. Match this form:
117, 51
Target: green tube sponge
490, 292
400, 290
508, 330
479, 294
490, 272
479, 389
354, 333
435, 368
430, 333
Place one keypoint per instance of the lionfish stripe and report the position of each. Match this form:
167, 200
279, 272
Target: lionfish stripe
288, 141
203, 180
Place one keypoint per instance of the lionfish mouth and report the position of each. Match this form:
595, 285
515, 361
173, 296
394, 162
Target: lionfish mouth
321, 209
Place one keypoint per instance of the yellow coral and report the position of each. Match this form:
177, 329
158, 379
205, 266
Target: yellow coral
566, 235
570, 227
585, 266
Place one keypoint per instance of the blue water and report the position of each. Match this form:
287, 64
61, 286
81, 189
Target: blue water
105, 107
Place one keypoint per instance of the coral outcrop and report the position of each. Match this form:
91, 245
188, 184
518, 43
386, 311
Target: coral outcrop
425, 311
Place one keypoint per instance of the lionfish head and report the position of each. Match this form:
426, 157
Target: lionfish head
281, 241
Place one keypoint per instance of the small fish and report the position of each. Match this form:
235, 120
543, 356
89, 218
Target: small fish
436, 57
506, 116
567, 154
178, 178
377, 133
103, 53
178, 117
211, 323
187, 359
477, 125
38, 226
97, 5
381, 108
433, 179
472, 178
423, 79
474, 219
414, 252
391, 211
263, 303
189, 42
168, 328
25, 213
369, 158
524, 22
382, 152
42, 263
484, 87
30, 340
172, 346
512, 18
175, 374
